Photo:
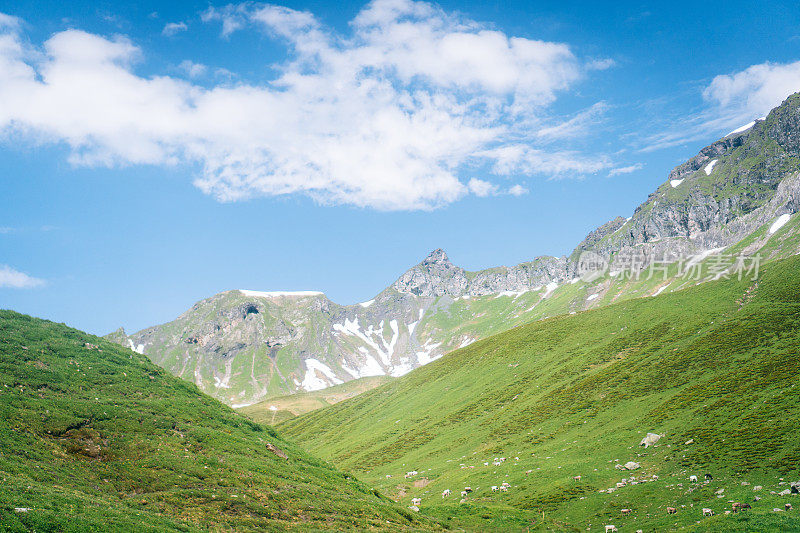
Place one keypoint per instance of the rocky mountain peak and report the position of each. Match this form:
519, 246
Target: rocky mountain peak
438, 256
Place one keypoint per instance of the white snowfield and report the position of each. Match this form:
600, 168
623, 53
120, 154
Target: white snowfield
514, 294
778, 224
137, 349
592, 297
424, 357
550, 287
702, 255
278, 294
466, 342
745, 127
710, 167
312, 381
367, 304
675, 183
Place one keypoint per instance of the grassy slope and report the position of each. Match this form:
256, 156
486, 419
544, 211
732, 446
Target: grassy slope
102, 439
571, 395
287, 407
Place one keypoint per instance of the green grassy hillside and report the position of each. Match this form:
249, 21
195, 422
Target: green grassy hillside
94, 436
714, 368
282, 408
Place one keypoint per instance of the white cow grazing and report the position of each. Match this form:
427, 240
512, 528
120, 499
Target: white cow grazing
693, 479
494, 488
464, 493
416, 501
445, 493
503, 488
611, 529
707, 512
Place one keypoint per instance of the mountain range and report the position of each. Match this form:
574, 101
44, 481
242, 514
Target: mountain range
737, 196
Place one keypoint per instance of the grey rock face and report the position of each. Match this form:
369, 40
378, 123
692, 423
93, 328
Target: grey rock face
437, 276
711, 209
434, 276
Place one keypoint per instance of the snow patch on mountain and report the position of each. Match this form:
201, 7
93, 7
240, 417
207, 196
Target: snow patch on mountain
367, 304
514, 294
402, 368
675, 183
778, 224
549, 288
137, 349
369, 367
466, 342
224, 381
709, 168
745, 127
702, 255
312, 381
424, 357
278, 294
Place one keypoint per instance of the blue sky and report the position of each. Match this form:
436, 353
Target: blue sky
153, 154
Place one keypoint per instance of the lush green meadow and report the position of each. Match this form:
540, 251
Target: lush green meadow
95, 437
713, 368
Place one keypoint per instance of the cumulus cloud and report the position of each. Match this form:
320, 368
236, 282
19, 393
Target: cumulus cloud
753, 92
481, 188
732, 100
384, 117
14, 279
517, 190
173, 28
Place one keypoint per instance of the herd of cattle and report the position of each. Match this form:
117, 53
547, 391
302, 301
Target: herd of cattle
650, 440
735, 507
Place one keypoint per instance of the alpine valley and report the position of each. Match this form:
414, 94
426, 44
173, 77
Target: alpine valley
738, 196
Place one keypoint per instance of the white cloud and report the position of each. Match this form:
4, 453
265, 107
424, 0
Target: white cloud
385, 117
601, 64
743, 96
481, 188
576, 126
14, 279
519, 157
732, 100
192, 69
625, 170
173, 28
517, 190
233, 17
9, 22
